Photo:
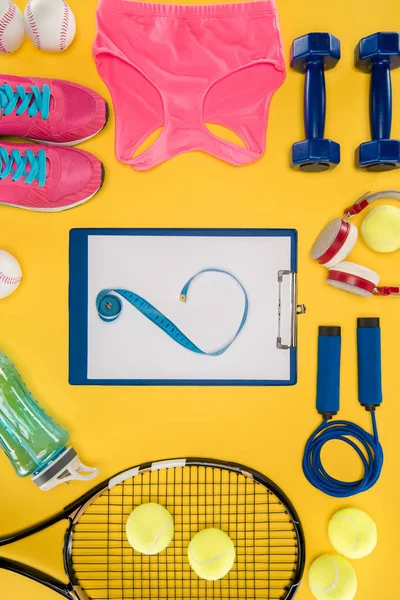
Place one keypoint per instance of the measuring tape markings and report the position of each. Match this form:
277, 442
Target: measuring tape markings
109, 307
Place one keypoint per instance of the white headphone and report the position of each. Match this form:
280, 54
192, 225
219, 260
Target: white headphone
336, 241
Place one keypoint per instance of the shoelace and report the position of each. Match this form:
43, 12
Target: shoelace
20, 100
28, 165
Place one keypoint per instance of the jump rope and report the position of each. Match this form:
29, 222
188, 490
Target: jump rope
366, 444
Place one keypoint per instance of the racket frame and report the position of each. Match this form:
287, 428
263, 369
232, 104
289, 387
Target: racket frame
73, 511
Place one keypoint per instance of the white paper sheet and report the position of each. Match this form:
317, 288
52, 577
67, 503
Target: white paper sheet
156, 268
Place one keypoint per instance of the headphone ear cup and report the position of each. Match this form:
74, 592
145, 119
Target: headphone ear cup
353, 278
334, 243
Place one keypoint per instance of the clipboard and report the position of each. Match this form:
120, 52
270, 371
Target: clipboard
154, 264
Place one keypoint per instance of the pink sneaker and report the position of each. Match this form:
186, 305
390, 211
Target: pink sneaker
50, 110
46, 178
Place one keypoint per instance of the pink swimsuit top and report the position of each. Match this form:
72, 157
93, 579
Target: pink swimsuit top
179, 67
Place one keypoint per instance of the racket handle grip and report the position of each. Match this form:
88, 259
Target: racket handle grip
328, 379
369, 363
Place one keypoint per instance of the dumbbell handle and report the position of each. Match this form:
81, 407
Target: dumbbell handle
328, 378
315, 99
381, 100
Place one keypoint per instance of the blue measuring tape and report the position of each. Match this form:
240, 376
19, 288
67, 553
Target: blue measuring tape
109, 307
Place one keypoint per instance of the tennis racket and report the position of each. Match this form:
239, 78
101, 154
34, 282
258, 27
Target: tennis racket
101, 565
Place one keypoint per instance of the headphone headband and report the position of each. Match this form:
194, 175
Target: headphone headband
367, 198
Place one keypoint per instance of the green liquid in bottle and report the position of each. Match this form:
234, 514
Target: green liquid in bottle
29, 437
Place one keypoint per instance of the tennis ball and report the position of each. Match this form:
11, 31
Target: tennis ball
211, 554
331, 577
380, 229
352, 532
149, 528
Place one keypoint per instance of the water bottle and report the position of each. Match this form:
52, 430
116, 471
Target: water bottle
36, 445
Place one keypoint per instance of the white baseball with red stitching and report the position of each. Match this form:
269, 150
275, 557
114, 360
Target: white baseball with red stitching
10, 274
12, 30
50, 24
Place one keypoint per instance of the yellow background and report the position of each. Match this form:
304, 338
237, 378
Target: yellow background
265, 428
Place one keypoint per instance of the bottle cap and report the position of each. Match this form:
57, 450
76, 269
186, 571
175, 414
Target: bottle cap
67, 467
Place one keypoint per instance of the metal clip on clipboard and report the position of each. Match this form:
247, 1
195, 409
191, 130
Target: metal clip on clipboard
288, 310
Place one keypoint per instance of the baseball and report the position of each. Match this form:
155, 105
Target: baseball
10, 274
50, 24
12, 30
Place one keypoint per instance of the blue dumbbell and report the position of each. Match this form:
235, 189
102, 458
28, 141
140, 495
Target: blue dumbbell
313, 54
378, 54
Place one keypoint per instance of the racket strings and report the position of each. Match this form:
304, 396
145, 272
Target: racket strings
197, 497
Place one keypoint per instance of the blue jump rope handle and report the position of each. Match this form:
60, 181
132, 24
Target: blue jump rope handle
315, 100
328, 378
369, 363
